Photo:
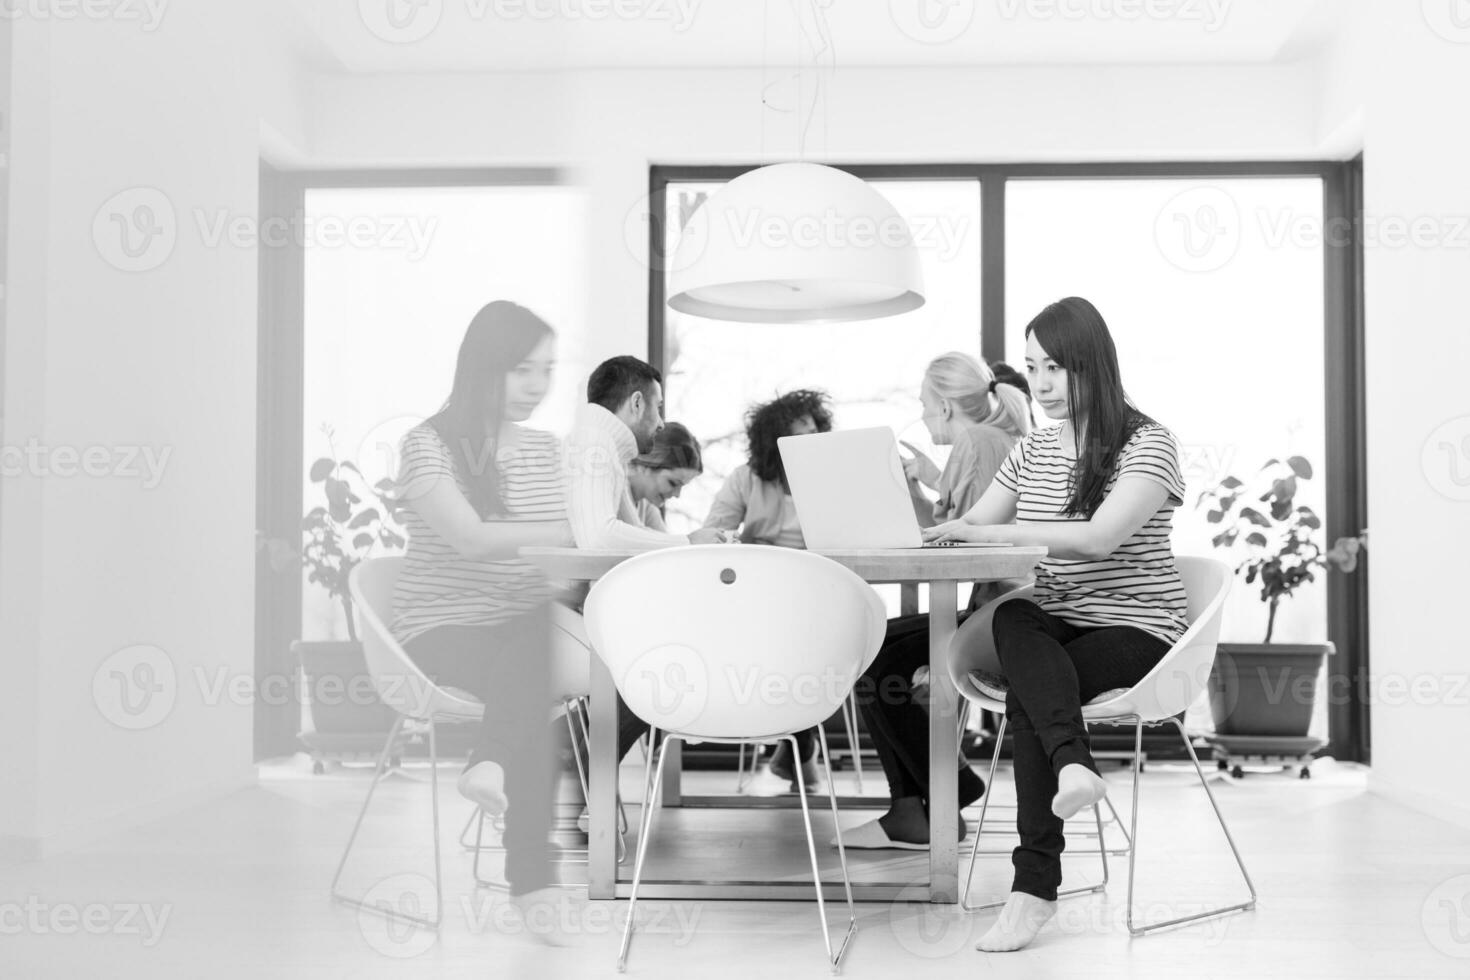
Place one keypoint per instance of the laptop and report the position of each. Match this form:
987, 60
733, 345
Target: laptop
850, 491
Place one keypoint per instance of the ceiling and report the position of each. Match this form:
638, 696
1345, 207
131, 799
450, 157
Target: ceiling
375, 36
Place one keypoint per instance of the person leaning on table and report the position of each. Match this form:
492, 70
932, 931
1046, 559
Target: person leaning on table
755, 502
477, 485
965, 407
622, 416
1098, 492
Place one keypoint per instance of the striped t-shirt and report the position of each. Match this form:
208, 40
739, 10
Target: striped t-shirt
1138, 584
438, 585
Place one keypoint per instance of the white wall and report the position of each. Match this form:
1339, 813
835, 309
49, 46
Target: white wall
113, 360
1416, 161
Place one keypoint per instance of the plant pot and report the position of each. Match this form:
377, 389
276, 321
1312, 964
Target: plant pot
1260, 689
340, 698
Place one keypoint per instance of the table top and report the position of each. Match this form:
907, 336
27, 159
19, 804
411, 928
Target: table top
889, 565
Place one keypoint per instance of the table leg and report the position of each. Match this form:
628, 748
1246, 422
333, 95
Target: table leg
908, 598
672, 791
602, 808
944, 814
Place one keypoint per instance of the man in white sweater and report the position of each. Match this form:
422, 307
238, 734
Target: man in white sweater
623, 412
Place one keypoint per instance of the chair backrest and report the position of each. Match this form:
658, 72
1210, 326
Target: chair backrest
1176, 680
734, 641
399, 682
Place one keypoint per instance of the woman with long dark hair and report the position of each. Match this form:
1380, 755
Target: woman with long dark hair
1098, 492
477, 485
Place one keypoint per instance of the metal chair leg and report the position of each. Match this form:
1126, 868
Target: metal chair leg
834, 960
652, 777
1133, 850
381, 909
980, 831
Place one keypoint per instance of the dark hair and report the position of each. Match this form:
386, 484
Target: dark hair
1073, 334
1007, 375
674, 448
764, 424
615, 380
500, 336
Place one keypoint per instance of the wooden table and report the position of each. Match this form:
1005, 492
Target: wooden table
943, 569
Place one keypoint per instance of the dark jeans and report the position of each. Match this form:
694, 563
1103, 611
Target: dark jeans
505, 666
899, 725
1054, 668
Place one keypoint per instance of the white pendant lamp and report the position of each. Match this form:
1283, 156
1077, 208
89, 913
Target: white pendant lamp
796, 243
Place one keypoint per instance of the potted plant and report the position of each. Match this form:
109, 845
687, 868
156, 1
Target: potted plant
354, 522
1269, 689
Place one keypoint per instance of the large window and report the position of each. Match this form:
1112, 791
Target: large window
1224, 288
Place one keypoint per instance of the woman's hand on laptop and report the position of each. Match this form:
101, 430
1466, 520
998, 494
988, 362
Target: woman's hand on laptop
960, 530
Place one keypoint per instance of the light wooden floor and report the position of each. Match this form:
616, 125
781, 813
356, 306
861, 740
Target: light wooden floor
1350, 886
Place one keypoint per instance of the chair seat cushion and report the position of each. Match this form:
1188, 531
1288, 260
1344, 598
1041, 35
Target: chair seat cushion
995, 686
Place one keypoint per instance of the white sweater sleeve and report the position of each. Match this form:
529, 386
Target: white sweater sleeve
596, 492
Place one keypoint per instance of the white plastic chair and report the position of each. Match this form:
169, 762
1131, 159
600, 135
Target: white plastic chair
1164, 692
730, 644
402, 686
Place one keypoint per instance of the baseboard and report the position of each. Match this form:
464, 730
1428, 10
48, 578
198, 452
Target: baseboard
1417, 800
20, 849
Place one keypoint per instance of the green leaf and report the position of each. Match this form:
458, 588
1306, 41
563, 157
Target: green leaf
1309, 519
1281, 508
1254, 516
349, 465
1231, 483
1270, 463
1256, 538
322, 469
365, 517
363, 540
1300, 467
1214, 516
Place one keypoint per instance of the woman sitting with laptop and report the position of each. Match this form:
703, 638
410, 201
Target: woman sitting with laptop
477, 485
755, 501
1098, 492
967, 408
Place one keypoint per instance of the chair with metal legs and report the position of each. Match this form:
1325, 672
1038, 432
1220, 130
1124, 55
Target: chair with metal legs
416, 699
1167, 690
854, 752
755, 644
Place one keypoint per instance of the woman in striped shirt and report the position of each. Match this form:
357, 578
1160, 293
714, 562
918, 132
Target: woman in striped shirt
477, 486
1098, 492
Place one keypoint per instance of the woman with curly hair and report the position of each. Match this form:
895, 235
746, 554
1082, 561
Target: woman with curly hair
756, 502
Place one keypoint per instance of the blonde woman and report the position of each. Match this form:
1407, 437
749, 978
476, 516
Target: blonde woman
982, 418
